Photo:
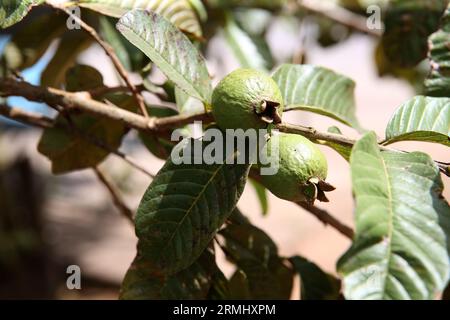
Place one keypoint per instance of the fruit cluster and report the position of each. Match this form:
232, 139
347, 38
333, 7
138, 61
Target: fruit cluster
249, 99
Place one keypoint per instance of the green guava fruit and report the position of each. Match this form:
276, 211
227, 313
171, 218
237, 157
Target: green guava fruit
302, 169
246, 99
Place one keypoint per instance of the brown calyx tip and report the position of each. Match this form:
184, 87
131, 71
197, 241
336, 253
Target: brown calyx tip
268, 111
320, 187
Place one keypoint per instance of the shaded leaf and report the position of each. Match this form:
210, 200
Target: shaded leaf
184, 206
74, 150
179, 12
131, 57
421, 119
256, 255
399, 250
170, 50
268, 4
32, 41
186, 104
195, 282
315, 283
408, 23
319, 90
438, 81
72, 44
82, 78
159, 145
13, 11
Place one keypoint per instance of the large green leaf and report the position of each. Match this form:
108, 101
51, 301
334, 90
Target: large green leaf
183, 208
195, 282
256, 255
33, 40
438, 82
72, 44
421, 119
319, 90
399, 250
179, 12
170, 50
315, 284
408, 23
246, 50
12, 11
73, 144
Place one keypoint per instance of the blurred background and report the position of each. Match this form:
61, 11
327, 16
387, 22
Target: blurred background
49, 222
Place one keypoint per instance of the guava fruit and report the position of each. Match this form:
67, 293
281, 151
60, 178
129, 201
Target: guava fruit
302, 169
245, 99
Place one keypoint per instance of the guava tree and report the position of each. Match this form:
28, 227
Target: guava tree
401, 241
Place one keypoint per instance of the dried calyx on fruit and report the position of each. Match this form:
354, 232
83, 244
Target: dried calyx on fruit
247, 99
302, 169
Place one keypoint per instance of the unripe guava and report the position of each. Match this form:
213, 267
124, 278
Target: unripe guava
246, 99
302, 169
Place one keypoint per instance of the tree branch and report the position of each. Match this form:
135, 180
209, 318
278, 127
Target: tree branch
115, 60
339, 14
26, 117
328, 219
117, 198
82, 101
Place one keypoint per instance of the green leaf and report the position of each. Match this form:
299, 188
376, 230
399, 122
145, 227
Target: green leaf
82, 78
315, 283
256, 255
179, 12
261, 193
195, 282
184, 207
399, 250
13, 11
170, 50
74, 150
244, 48
113, 37
319, 90
32, 41
408, 23
438, 81
421, 119
72, 44
239, 286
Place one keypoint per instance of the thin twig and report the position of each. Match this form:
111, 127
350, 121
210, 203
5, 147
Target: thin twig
339, 14
115, 194
26, 117
328, 219
114, 59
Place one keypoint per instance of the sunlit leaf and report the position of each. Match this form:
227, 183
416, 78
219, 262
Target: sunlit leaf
319, 90
421, 119
170, 50
399, 250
